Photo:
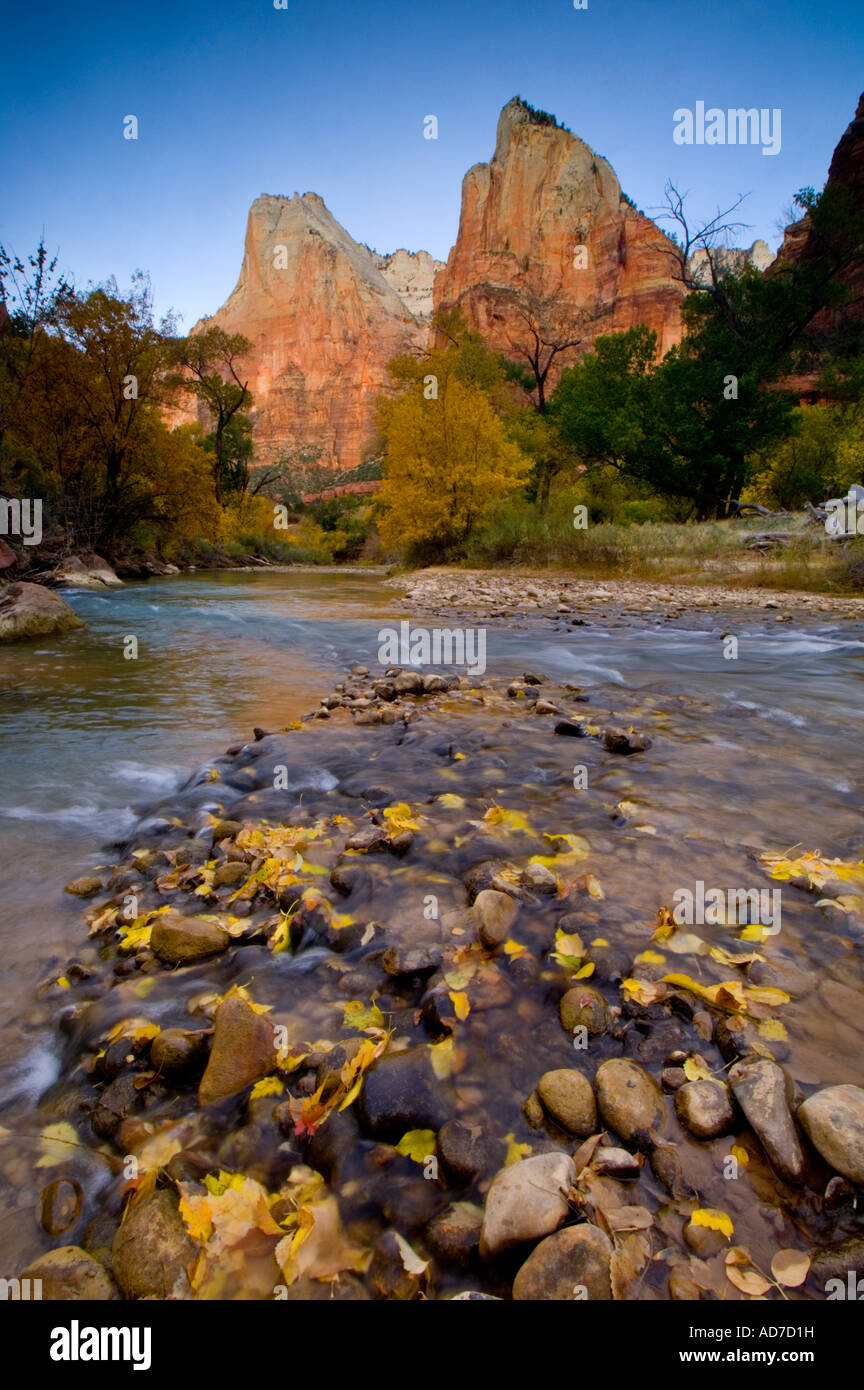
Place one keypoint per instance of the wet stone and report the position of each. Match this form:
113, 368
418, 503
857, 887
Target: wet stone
526, 1201
630, 1101
571, 1264
59, 1206
152, 1249
705, 1108
70, 1274
584, 1007
762, 1090
834, 1121
568, 1098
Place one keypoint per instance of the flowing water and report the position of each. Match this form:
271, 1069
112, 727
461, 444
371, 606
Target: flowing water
763, 752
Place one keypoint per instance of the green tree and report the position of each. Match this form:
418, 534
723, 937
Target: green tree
210, 363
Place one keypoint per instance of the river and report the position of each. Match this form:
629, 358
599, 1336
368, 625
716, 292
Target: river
763, 751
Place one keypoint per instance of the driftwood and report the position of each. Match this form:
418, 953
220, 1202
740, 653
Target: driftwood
739, 508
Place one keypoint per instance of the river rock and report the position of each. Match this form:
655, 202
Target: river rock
625, 741
401, 1092
152, 1249
761, 1088
29, 610
59, 1206
584, 1007
242, 1051
526, 1201
834, 1121
228, 874
571, 1264
83, 887
495, 914
630, 1101
568, 1098
538, 879
704, 1107
838, 1261
176, 1049
453, 1235
71, 1274
616, 1163
466, 1152
179, 940
117, 1102
84, 572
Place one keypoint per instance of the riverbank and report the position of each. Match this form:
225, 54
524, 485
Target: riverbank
381, 1001
561, 598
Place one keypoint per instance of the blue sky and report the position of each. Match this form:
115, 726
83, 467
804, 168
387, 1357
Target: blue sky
234, 100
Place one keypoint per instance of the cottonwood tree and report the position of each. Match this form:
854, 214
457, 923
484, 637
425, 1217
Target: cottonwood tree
211, 372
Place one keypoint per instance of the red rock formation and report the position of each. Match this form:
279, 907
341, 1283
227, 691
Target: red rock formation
524, 215
323, 320
799, 243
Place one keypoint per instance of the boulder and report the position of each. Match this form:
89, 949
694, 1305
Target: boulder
526, 1201
401, 1092
630, 1101
762, 1089
834, 1122
70, 1274
573, 1264
568, 1099
179, 940
29, 610
153, 1249
705, 1108
584, 1007
242, 1052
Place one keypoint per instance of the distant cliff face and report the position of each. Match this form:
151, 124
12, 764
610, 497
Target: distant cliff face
324, 316
546, 217
847, 170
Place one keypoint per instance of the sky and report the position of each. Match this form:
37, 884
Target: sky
329, 96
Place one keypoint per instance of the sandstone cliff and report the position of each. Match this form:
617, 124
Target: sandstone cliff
547, 218
324, 315
800, 243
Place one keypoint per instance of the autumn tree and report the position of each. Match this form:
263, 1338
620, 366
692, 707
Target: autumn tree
448, 460
210, 364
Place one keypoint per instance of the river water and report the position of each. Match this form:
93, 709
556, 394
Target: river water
761, 752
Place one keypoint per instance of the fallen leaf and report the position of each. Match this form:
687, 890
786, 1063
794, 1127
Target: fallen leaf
790, 1268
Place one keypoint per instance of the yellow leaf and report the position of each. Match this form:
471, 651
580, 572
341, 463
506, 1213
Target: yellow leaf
650, 958
270, 1086
460, 1002
398, 818
599, 941
576, 844
442, 1058
644, 991
741, 1155
511, 820
772, 1030
586, 971
451, 801
418, 1144
57, 1143
515, 1152
361, 1016
63, 982
695, 1071
713, 1220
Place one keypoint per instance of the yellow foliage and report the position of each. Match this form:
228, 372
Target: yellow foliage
448, 462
